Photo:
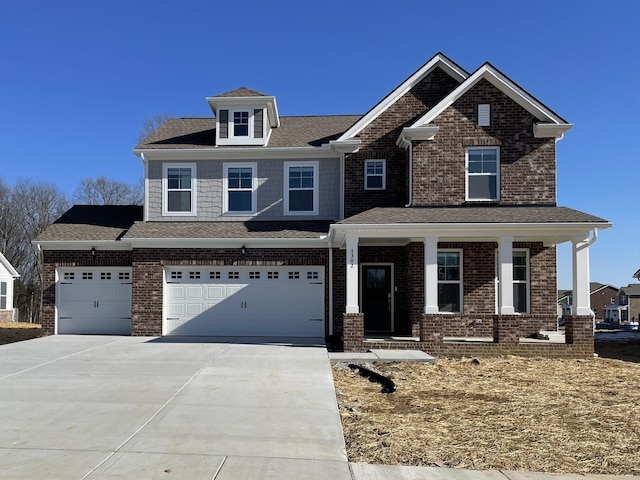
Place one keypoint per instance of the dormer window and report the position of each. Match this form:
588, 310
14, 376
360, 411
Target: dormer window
241, 123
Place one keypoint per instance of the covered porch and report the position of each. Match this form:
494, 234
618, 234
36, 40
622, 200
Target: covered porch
459, 288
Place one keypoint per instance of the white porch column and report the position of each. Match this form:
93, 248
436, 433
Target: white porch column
505, 276
353, 269
581, 293
431, 275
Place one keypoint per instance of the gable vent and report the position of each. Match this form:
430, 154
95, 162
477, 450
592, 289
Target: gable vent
484, 116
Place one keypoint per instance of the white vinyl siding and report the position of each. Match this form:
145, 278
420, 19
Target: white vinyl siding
483, 173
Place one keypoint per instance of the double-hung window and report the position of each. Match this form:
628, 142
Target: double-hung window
179, 189
3, 295
301, 188
374, 175
240, 188
449, 281
521, 295
241, 123
483, 173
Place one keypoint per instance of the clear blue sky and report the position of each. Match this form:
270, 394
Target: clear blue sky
78, 78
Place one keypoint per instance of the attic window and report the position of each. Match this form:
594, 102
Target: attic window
484, 115
241, 123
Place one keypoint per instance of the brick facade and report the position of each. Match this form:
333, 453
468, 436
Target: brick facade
527, 164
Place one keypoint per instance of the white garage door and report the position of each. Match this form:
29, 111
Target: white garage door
244, 301
94, 300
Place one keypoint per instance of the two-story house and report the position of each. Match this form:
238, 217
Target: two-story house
432, 215
601, 296
626, 307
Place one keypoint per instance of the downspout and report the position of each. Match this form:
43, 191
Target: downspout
410, 175
330, 288
593, 239
145, 207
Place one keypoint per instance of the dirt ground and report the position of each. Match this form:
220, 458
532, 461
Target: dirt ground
563, 416
18, 331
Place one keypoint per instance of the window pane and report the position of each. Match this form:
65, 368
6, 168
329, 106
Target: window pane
3, 288
520, 266
374, 181
179, 201
449, 297
520, 297
482, 187
179, 178
3, 303
240, 124
301, 200
240, 201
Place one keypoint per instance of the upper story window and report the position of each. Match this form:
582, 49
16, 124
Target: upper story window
241, 123
374, 175
178, 189
301, 188
483, 173
240, 188
241, 127
623, 299
450, 281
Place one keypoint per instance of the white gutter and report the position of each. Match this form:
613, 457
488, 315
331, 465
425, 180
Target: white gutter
145, 207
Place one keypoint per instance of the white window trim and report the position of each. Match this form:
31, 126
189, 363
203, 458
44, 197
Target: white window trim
527, 282
460, 281
225, 188
231, 130
384, 174
467, 174
316, 189
165, 189
5, 295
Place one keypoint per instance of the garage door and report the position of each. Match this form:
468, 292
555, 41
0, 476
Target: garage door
244, 301
94, 300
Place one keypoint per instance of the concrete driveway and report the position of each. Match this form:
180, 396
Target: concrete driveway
93, 407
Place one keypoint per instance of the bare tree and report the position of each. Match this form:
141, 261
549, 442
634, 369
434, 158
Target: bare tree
150, 125
103, 191
29, 208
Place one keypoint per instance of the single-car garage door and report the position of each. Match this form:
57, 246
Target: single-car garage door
244, 301
94, 300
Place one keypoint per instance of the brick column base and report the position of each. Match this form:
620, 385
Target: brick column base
431, 329
579, 330
505, 329
353, 332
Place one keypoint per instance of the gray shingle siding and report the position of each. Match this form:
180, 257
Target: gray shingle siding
270, 192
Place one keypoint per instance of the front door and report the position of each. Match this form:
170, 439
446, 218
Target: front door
376, 298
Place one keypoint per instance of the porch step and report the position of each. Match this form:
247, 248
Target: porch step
382, 355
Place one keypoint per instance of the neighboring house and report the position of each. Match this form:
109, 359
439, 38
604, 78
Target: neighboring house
8, 274
600, 295
626, 308
432, 215
637, 275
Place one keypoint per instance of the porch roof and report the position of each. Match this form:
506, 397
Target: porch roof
548, 224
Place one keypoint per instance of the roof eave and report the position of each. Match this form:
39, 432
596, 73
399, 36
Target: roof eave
12, 271
325, 150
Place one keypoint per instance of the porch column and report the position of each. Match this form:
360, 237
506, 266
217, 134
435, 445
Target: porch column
353, 269
505, 272
431, 275
581, 300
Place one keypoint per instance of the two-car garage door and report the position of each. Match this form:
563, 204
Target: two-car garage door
244, 301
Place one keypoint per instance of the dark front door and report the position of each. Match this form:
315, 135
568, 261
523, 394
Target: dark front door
376, 297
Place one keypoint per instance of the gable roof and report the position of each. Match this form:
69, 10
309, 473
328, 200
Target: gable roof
631, 289
7, 265
508, 87
439, 60
92, 223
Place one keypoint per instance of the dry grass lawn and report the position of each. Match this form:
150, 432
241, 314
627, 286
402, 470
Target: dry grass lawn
564, 416
18, 331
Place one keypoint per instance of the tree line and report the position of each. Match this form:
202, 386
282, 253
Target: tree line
28, 207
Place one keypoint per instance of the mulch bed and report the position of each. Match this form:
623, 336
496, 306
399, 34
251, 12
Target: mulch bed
18, 331
547, 415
